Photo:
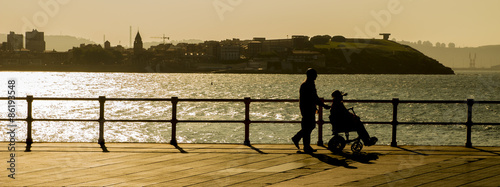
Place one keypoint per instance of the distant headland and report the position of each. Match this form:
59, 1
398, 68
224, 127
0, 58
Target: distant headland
329, 55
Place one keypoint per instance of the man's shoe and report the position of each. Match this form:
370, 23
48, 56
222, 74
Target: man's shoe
296, 142
373, 140
309, 150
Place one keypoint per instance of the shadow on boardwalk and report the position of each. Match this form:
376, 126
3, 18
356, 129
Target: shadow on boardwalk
361, 157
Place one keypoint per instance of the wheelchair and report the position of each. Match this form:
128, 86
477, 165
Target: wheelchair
337, 142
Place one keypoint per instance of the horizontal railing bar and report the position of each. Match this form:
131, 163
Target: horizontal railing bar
65, 99
274, 100
403, 101
24, 119
411, 123
487, 102
431, 123
372, 122
137, 120
275, 121
486, 123
426, 123
138, 99
241, 121
53, 98
17, 98
66, 120
211, 100
210, 121
363, 101
434, 101
445, 123
253, 100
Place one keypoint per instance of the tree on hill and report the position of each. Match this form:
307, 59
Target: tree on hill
338, 38
320, 40
427, 44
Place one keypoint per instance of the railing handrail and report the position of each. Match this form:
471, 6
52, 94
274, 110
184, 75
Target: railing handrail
247, 100
253, 100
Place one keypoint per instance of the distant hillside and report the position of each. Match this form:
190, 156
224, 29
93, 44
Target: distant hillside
174, 42
64, 43
378, 57
486, 56
58, 42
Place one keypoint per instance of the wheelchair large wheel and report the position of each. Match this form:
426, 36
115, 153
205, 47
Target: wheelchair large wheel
336, 144
356, 146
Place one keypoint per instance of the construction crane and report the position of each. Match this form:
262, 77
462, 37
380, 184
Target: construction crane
164, 37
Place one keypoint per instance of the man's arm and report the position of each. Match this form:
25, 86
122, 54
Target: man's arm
318, 100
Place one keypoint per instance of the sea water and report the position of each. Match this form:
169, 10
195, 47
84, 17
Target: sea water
479, 85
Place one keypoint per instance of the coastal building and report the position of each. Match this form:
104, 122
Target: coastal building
138, 48
300, 60
254, 48
300, 41
230, 52
194, 50
212, 49
234, 41
107, 45
14, 42
55, 58
277, 45
35, 41
385, 35
261, 45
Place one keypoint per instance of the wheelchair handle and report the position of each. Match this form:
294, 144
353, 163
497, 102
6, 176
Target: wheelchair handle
352, 109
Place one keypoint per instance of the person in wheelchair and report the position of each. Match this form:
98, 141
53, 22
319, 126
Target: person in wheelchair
344, 121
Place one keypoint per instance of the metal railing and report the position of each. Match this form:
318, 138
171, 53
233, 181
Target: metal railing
247, 101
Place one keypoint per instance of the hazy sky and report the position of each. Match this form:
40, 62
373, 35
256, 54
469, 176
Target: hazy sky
464, 22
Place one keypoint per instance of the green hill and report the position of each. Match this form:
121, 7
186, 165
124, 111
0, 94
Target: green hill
376, 56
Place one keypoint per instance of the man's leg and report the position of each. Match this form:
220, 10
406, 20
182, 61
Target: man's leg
307, 128
301, 133
297, 137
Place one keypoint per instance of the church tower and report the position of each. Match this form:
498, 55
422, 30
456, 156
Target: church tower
138, 44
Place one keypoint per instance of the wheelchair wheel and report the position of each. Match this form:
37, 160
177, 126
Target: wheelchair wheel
356, 146
336, 144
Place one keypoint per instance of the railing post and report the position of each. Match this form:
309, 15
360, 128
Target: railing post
395, 103
29, 120
247, 121
320, 124
470, 102
102, 100
174, 101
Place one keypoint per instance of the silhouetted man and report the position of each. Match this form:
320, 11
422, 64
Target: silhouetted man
308, 100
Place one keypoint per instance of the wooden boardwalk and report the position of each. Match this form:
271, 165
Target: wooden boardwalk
143, 164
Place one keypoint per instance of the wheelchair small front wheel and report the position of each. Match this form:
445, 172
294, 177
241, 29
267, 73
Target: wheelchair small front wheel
336, 144
356, 146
